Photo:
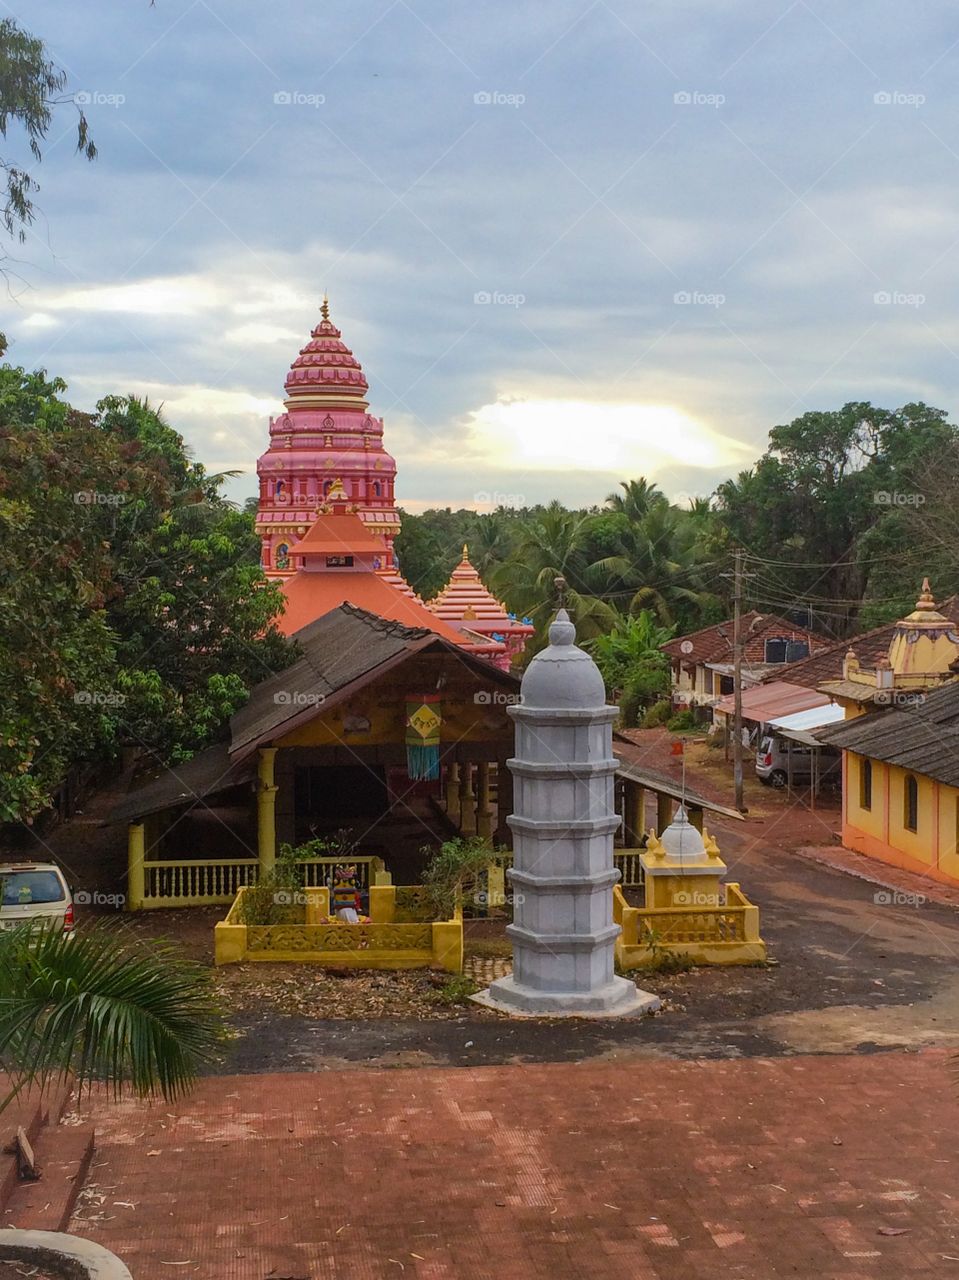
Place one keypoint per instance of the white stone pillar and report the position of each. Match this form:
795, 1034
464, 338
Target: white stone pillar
563, 823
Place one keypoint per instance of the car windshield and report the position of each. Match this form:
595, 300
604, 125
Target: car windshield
25, 888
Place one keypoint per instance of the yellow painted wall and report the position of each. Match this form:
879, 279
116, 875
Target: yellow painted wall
470, 710
948, 804
881, 832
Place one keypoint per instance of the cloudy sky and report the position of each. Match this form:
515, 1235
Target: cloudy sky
570, 243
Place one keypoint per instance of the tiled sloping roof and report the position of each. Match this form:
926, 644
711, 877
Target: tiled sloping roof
206, 774
311, 595
868, 646
339, 534
715, 643
346, 646
338, 649
923, 738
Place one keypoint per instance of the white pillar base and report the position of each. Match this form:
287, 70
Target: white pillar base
619, 999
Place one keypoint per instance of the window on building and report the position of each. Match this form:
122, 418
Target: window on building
280, 486
339, 562
910, 814
865, 784
377, 489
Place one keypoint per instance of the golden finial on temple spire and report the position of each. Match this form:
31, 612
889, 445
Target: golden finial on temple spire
466, 551
926, 599
325, 308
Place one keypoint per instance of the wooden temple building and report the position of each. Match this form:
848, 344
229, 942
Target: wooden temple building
392, 725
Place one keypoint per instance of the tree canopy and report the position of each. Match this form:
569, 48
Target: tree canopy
133, 609
31, 88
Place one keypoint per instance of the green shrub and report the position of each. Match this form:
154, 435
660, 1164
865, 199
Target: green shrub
657, 714
454, 872
681, 721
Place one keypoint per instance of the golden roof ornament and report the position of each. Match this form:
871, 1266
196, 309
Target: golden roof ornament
926, 599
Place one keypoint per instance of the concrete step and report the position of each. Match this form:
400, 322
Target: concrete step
63, 1155
33, 1111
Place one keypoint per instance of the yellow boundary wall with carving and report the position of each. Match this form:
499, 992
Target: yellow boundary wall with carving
380, 944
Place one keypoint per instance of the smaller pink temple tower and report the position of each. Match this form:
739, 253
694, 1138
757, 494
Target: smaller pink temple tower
466, 605
326, 449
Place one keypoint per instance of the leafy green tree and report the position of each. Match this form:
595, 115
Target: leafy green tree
31, 87
810, 504
655, 560
132, 605
634, 668
637, 498
59, 476
552, 545
98, 1007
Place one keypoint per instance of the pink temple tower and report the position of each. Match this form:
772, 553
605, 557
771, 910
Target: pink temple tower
326, 452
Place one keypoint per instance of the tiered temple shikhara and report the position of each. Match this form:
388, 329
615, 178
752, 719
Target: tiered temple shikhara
392, 724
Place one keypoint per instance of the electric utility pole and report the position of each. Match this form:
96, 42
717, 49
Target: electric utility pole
738, 681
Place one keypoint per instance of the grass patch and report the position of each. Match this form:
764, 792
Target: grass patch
488, 948
456, 990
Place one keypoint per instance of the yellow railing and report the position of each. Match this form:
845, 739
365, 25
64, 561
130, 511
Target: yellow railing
369, 870
725, 934
194, 883
209, 882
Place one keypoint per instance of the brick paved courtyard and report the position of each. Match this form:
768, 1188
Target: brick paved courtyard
832, 1167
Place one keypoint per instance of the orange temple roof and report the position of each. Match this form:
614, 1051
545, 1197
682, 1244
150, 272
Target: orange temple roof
311, 595
464, 599
340, 534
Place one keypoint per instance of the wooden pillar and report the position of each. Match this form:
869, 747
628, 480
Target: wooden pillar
484, 824
467, 809
266, 810
452, 786
634, 813
664, 811
695, 814
504, 805
136, 851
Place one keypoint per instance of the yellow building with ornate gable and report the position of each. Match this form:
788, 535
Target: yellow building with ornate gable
900, 790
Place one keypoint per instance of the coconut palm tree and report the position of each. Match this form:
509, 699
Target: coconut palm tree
101, 1007
552, 545
658, 564
637, 498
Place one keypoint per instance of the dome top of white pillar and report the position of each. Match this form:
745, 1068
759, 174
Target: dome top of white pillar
681, 841
562, 676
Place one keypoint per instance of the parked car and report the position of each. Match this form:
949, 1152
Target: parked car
772, 762
35, 892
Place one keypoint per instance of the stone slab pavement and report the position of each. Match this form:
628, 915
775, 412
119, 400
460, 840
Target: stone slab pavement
825, 1168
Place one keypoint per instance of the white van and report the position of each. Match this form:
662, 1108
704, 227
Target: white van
35, 892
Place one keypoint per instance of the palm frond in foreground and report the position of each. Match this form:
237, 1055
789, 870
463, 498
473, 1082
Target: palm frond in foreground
103, 1007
